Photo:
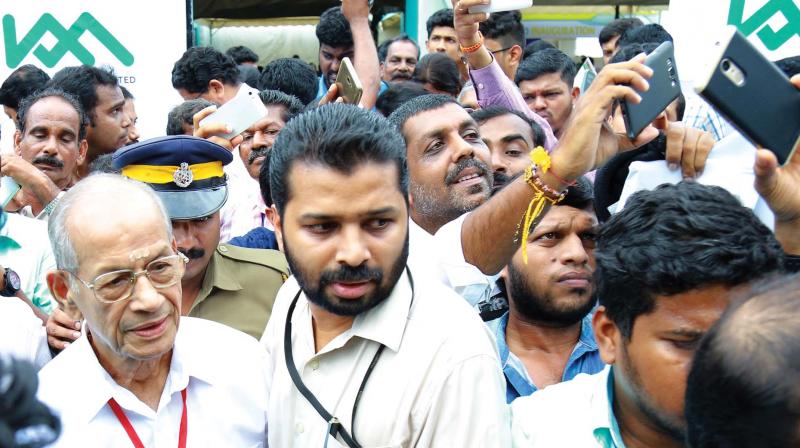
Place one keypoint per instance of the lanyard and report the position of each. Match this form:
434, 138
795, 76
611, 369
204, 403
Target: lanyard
137, 442
335, 427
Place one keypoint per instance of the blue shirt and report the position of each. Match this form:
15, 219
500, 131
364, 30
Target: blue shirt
258, 238
585, 358
323, 89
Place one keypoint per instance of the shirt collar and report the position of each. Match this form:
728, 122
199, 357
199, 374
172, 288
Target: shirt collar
218, 275
499, 325
386, 323
606, 429
586, 341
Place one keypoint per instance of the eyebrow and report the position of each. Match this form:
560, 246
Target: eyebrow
512, 137
105, 269
686, 332
326, 217
117, 104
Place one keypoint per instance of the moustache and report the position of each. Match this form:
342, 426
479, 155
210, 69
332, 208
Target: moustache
48, 160
401, 75
452, 174
256, 153
194, 253
350, 274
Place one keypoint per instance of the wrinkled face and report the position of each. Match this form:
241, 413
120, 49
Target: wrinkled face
346, 259
609, 49
654, 363
510, 141
109, 129
260, 137
130, 110
50, 141
556, 285
550, 97
447, 161
197, 239
330, 58
144, 325
401, 58
443, 39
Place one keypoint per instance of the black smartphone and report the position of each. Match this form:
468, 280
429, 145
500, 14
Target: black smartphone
665, 87
753, 94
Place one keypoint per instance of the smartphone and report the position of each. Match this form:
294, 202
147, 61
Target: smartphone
753, 94
239, 113
8, 189
350, 88
501, 5
665, 87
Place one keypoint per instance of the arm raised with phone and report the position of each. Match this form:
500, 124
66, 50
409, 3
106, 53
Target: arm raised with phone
366, 55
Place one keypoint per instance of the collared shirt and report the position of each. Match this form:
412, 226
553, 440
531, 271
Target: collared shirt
437, 382
221, 369
576, 413
585, 358
699, 114
21, 333
25, 248
239, 288
322, 89
493, 88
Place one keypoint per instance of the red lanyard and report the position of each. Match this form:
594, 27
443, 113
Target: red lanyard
137, 442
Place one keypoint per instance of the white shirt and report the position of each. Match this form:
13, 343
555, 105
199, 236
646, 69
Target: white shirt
575, 413
438, 382
21, 333
221, 369
25, 248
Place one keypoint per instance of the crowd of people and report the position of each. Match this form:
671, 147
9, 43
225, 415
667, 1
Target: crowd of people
457, 260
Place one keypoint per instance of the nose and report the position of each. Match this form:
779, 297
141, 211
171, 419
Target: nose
573, 251
538, 103
260, 140
335, 64
498, 162
51, 146
133, 133
183, 235
352, 249
461, 148
145, 297
126, 121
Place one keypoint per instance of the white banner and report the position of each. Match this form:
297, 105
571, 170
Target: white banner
773, 26
140, 43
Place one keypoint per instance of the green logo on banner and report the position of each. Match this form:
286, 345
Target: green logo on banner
771, 38
67, 41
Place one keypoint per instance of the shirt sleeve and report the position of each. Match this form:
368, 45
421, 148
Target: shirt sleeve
493, 88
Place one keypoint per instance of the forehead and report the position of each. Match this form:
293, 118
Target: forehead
275, 113
402, 48
450, 116
336, 51
130, 107
695, 310
440, 31
321, 189
544, 81
52, 109
497, 128
107, 95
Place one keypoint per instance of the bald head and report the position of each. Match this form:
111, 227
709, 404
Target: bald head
100, 209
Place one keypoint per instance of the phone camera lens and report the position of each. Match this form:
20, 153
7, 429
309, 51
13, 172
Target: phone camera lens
726, 65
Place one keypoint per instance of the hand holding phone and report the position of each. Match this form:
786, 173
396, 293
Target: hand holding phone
501, 5
239, 113
349, 86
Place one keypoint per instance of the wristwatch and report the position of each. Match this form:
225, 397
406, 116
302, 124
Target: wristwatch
12, 282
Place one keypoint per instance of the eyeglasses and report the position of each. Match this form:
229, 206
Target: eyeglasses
501, 50
116, 286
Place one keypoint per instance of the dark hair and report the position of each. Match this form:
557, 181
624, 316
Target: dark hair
249, 75
26, 104
549, 60
291, 76
674, 239
103, 164
416, 106
241, 54
263, 180
505, 27
580, 195
537, 45
397, 94
338, 136
742, 387
440, 72
82, 82
617, 27
650, 33
183, 114
333, 28
200, 65
383, 49
126, 94
481, 116
789, 66
292, 106
442, 17
21, 83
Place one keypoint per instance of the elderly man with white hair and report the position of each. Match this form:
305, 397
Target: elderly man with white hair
142, 375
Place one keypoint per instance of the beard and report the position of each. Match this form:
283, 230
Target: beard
316, 294
667, 424
543, 306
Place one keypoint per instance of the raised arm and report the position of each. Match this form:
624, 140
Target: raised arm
366, 55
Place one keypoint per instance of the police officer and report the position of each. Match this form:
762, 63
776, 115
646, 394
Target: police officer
227, 284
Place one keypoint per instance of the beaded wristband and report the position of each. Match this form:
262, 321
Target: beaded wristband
473, 48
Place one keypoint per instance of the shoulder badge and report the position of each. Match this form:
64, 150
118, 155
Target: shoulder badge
183, 176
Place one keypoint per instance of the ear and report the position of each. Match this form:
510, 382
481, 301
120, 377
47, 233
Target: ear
275, 217
216, 89
83, 149
576, 92
515, 54
272, 215
17, 140
607, 335
58, 283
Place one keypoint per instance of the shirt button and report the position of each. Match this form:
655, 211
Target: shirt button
480, 86
299, 428
314, 364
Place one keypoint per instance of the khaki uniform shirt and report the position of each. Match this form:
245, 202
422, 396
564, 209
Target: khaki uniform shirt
438, 383
239, 288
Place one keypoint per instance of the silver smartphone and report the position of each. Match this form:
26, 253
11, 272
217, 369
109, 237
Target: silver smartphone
239, 113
